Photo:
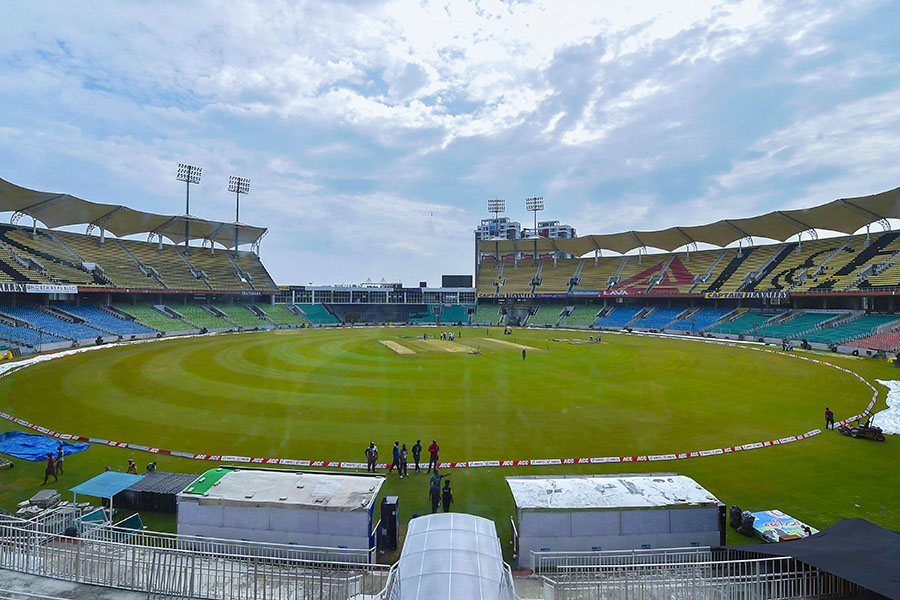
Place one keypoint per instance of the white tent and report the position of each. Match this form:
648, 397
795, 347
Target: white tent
451, 555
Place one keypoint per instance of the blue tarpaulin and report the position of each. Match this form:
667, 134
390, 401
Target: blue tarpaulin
32, 446
106, 485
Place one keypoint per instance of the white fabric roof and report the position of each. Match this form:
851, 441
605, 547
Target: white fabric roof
579, 492
57, 210
451, 555
846, 215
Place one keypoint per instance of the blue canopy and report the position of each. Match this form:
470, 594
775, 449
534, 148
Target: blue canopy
106, 485
32, 446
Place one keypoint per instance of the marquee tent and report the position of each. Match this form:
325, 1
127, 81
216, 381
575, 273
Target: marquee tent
844, 215
57, 210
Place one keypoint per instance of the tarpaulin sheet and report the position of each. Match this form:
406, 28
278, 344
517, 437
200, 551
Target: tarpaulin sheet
889, 420
31, 446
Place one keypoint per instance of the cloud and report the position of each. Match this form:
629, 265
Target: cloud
373, 132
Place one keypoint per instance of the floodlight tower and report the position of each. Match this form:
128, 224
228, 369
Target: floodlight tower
496, 206
535, 205
238, 185
188, 174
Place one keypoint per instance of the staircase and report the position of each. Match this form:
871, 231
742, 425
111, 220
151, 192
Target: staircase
615, 278
703, 277
662, 272
148, 271
729, 269
576, 276
755, 277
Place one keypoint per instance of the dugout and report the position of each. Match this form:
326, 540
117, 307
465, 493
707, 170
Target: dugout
281, 506
613, 512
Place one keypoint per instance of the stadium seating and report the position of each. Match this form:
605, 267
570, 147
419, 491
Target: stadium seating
889, 342
619, 317
659, 318
38, 319
240, 315
557, 277
486, 314
198, 316
517, 280
280, 315
58, 262
250, 263
595, 277
582, 316
546, 315
455, 313
221, 273
104, 320
118, 267
318, 315
864, 326
744, 324
796, 327
425, 316
25, 336
152, 318
706, 317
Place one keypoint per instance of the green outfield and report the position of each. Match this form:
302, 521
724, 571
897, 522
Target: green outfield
324, 394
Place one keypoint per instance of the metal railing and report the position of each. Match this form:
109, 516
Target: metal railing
778, 578
547, 562
158, 564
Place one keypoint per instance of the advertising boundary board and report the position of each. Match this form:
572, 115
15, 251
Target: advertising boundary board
11, 368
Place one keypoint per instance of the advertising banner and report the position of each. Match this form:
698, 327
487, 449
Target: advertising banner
739, 295
50, 288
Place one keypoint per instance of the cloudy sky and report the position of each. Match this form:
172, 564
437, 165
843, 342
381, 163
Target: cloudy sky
374, 132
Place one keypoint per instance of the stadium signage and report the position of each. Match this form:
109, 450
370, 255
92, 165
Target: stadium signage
50, 288
739, 295
37, 288
600, 293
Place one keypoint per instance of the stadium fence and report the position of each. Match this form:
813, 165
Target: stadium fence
718, 574
189, 566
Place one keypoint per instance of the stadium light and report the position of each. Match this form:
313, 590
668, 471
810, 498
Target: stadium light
188, 174
238, 185
535, 205
496, 206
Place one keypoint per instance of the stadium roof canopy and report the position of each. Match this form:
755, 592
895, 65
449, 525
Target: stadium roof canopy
57, 210
846, 216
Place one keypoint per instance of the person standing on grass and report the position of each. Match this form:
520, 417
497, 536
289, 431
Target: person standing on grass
371, 457
59, 460
435, 494
51, 469
829, 418
132, 468
404, 462
523, 353
447, 496
417, 453
395, 459
433, 460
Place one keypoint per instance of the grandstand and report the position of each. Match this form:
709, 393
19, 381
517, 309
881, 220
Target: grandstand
154, 318
744, 323
858, 327
795, 325
103, 320
889, 342
36, 318
424, 316
281, 315
548, 314
698, 320
486, 314
201, 316
580, 316
240, 315
454, 313
659, 318
317, 314
620, 316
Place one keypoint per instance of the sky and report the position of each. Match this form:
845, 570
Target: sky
374, 132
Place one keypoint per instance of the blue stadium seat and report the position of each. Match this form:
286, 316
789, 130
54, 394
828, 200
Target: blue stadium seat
49, 324
103, 320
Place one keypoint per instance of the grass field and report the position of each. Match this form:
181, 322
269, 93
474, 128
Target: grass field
324, 394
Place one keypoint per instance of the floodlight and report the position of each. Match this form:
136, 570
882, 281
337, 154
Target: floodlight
240, 185
496, 205
534, 204
189, 173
